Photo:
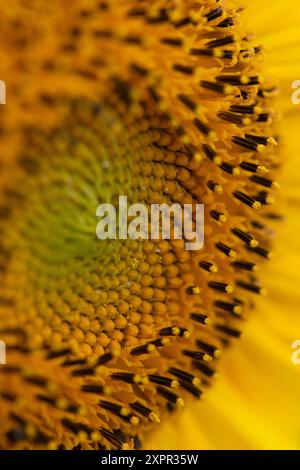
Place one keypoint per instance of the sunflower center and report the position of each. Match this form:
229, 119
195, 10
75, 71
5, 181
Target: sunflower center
173, 110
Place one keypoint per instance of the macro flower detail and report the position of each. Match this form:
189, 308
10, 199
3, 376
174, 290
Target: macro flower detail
166, 103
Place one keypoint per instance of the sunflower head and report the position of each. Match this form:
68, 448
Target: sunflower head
165, 103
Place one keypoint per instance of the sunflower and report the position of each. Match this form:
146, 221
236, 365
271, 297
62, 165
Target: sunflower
166, 102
